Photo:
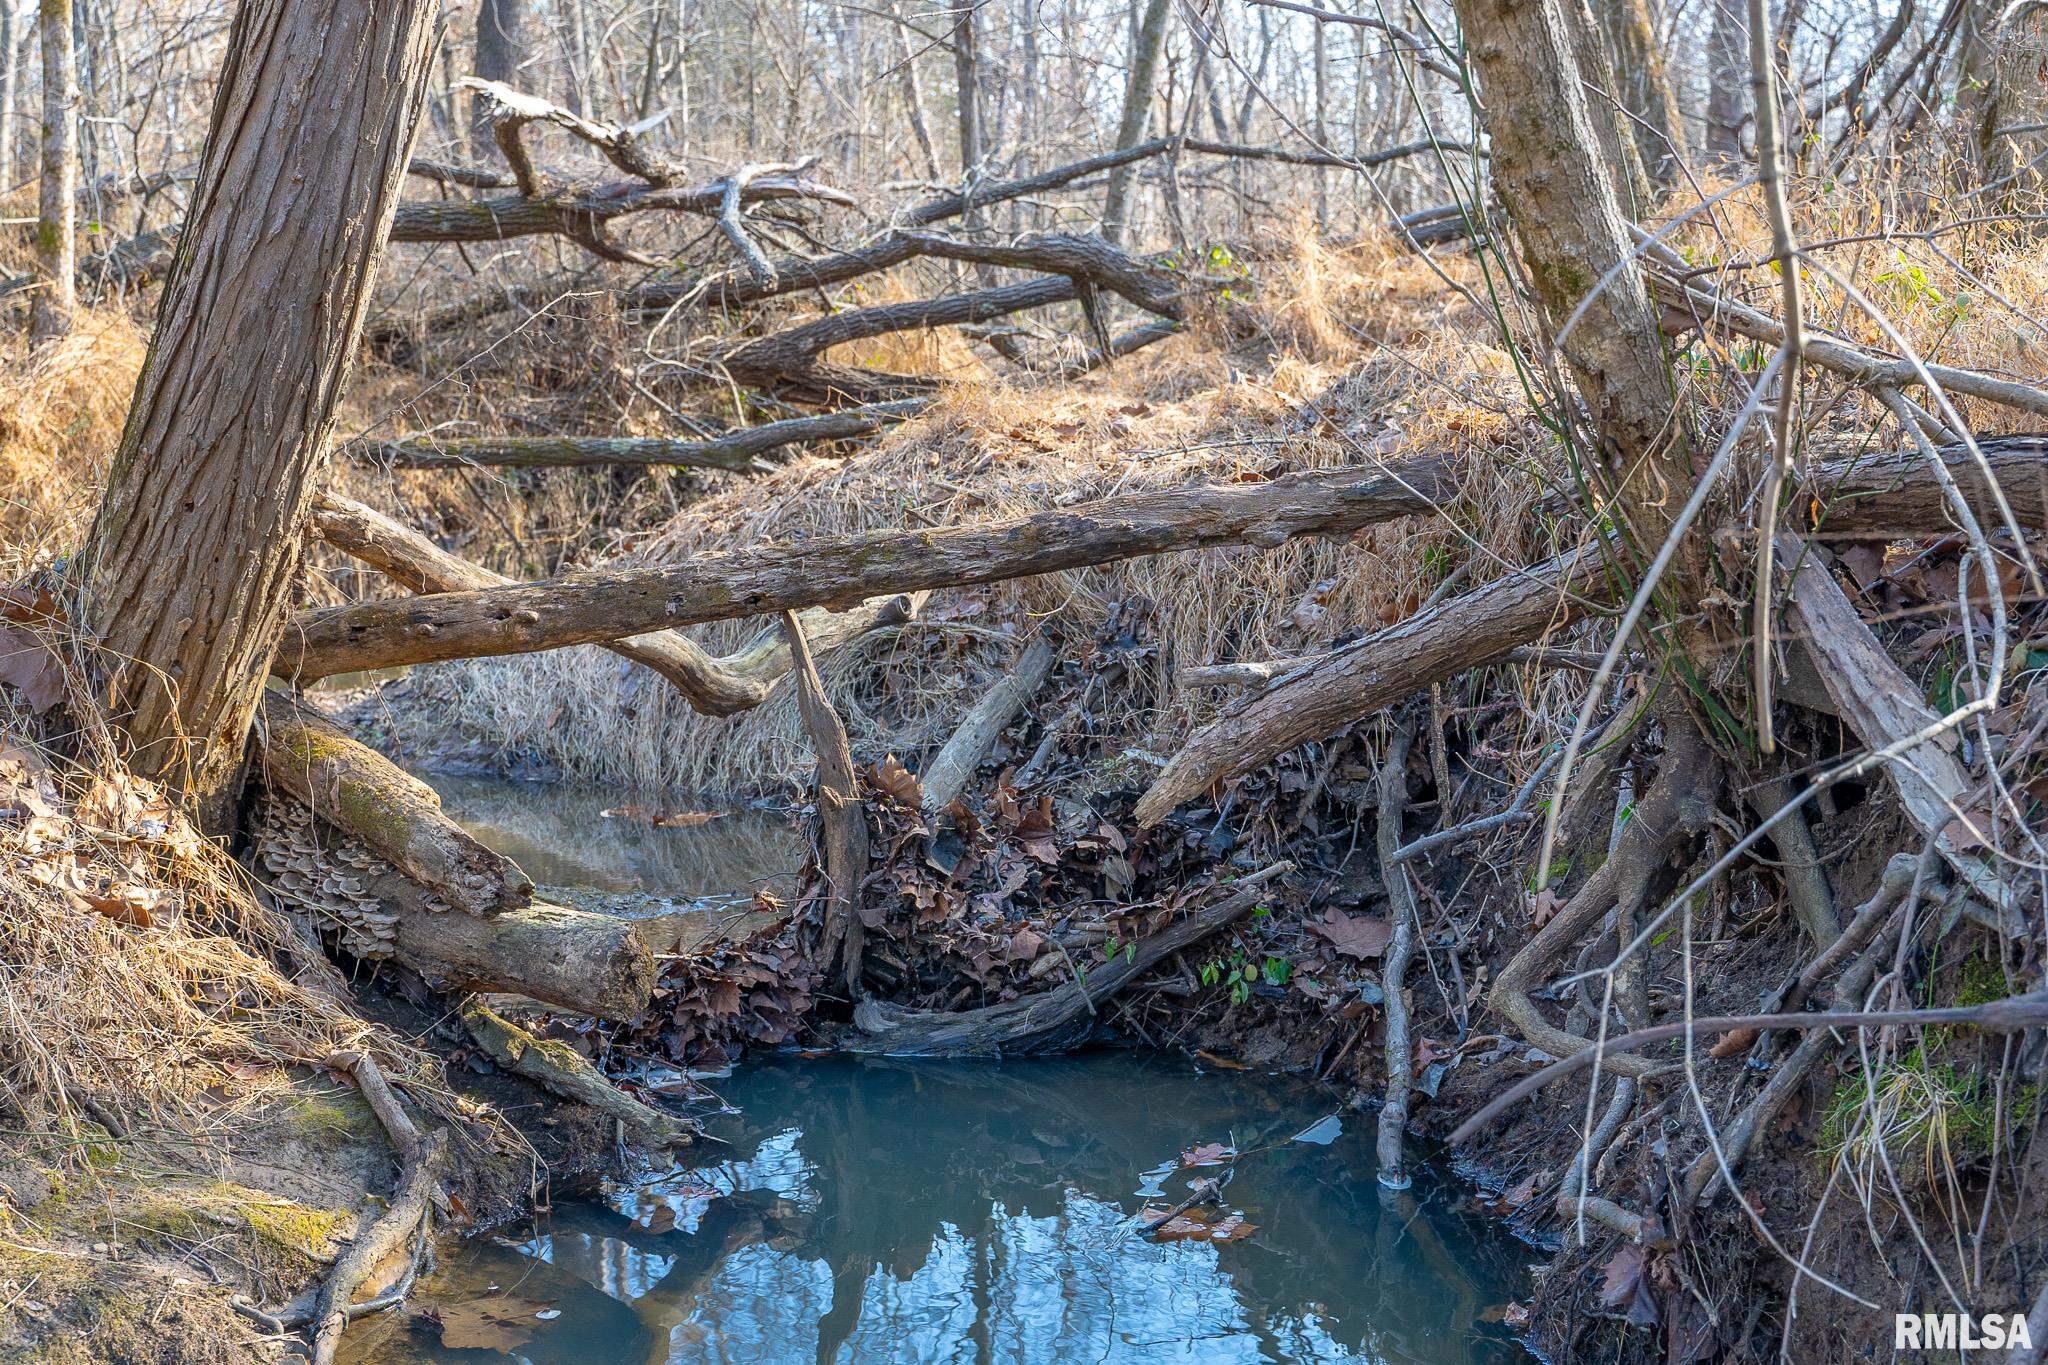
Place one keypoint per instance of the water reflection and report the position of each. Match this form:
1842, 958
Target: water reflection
891, 1211
562, 838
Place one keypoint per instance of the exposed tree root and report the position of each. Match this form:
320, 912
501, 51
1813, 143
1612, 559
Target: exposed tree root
422, 1164
1678, 805
841, 815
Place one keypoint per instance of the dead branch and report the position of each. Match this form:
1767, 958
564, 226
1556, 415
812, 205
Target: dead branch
980, 196
1052, 1021
842, 816
2013, 1014
1477, 628
740, 452
947, 775
1393, 804
419, 564
735, 229
594, 607
563, 1070
1885, 707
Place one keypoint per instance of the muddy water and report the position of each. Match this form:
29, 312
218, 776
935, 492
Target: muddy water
900, 1211
874, 1210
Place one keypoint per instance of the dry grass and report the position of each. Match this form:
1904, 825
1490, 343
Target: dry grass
1345, 371
61, 411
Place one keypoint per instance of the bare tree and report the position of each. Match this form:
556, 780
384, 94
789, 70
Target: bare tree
189, 570
1645, 89
10, 84
1144, 74
1727, 73
502, 48
56, 297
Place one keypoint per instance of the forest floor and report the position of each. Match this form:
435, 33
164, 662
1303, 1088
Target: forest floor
171, 1171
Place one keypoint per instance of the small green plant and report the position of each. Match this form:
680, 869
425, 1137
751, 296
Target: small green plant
1909, 283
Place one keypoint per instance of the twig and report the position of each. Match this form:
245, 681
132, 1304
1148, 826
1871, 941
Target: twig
2010, 1015
1515, 813
1393, 1118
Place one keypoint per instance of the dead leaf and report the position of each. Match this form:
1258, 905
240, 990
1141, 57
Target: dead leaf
1542, 906
1361, 936
30, 666
1733, 1043
1522, 1193
497, 1322
1199, 1225
685, 819
1209, 1154
1626, 1283
127, 903
893, 780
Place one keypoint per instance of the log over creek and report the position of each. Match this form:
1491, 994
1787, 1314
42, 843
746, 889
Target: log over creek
867, 1208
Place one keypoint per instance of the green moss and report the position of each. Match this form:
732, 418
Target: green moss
283, 1237
332, 1121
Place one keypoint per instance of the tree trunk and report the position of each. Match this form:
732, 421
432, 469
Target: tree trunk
1727, 78
10, 83
190, 567
501, 50
967, 81
1576, 250
1151, 37
1645, 89
57, 191
913, 97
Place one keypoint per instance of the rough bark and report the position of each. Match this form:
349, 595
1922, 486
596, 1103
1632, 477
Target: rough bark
1727, 79
593, 964
563, 1070
595, 607
356, 788
1144, 74
190, 565
1322, 697
947, 775
580, 212
10, 82
842, 816
56, 296
1645, 89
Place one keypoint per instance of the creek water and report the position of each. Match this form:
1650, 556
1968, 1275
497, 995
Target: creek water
868, 1210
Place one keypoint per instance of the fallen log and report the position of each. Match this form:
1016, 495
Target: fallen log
564, 1071
1885, 706
592, 964
1320, 698
1052, 1021
399, 817
589, 963
716, 687
947, 775
1892, 494
601, 606
739, 451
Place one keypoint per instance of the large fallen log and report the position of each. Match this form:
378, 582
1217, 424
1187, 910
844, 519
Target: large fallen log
398, 816
1892, 494
590, 963
1052, 1021
739, 451
596, 607
716, 687
1320, 698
